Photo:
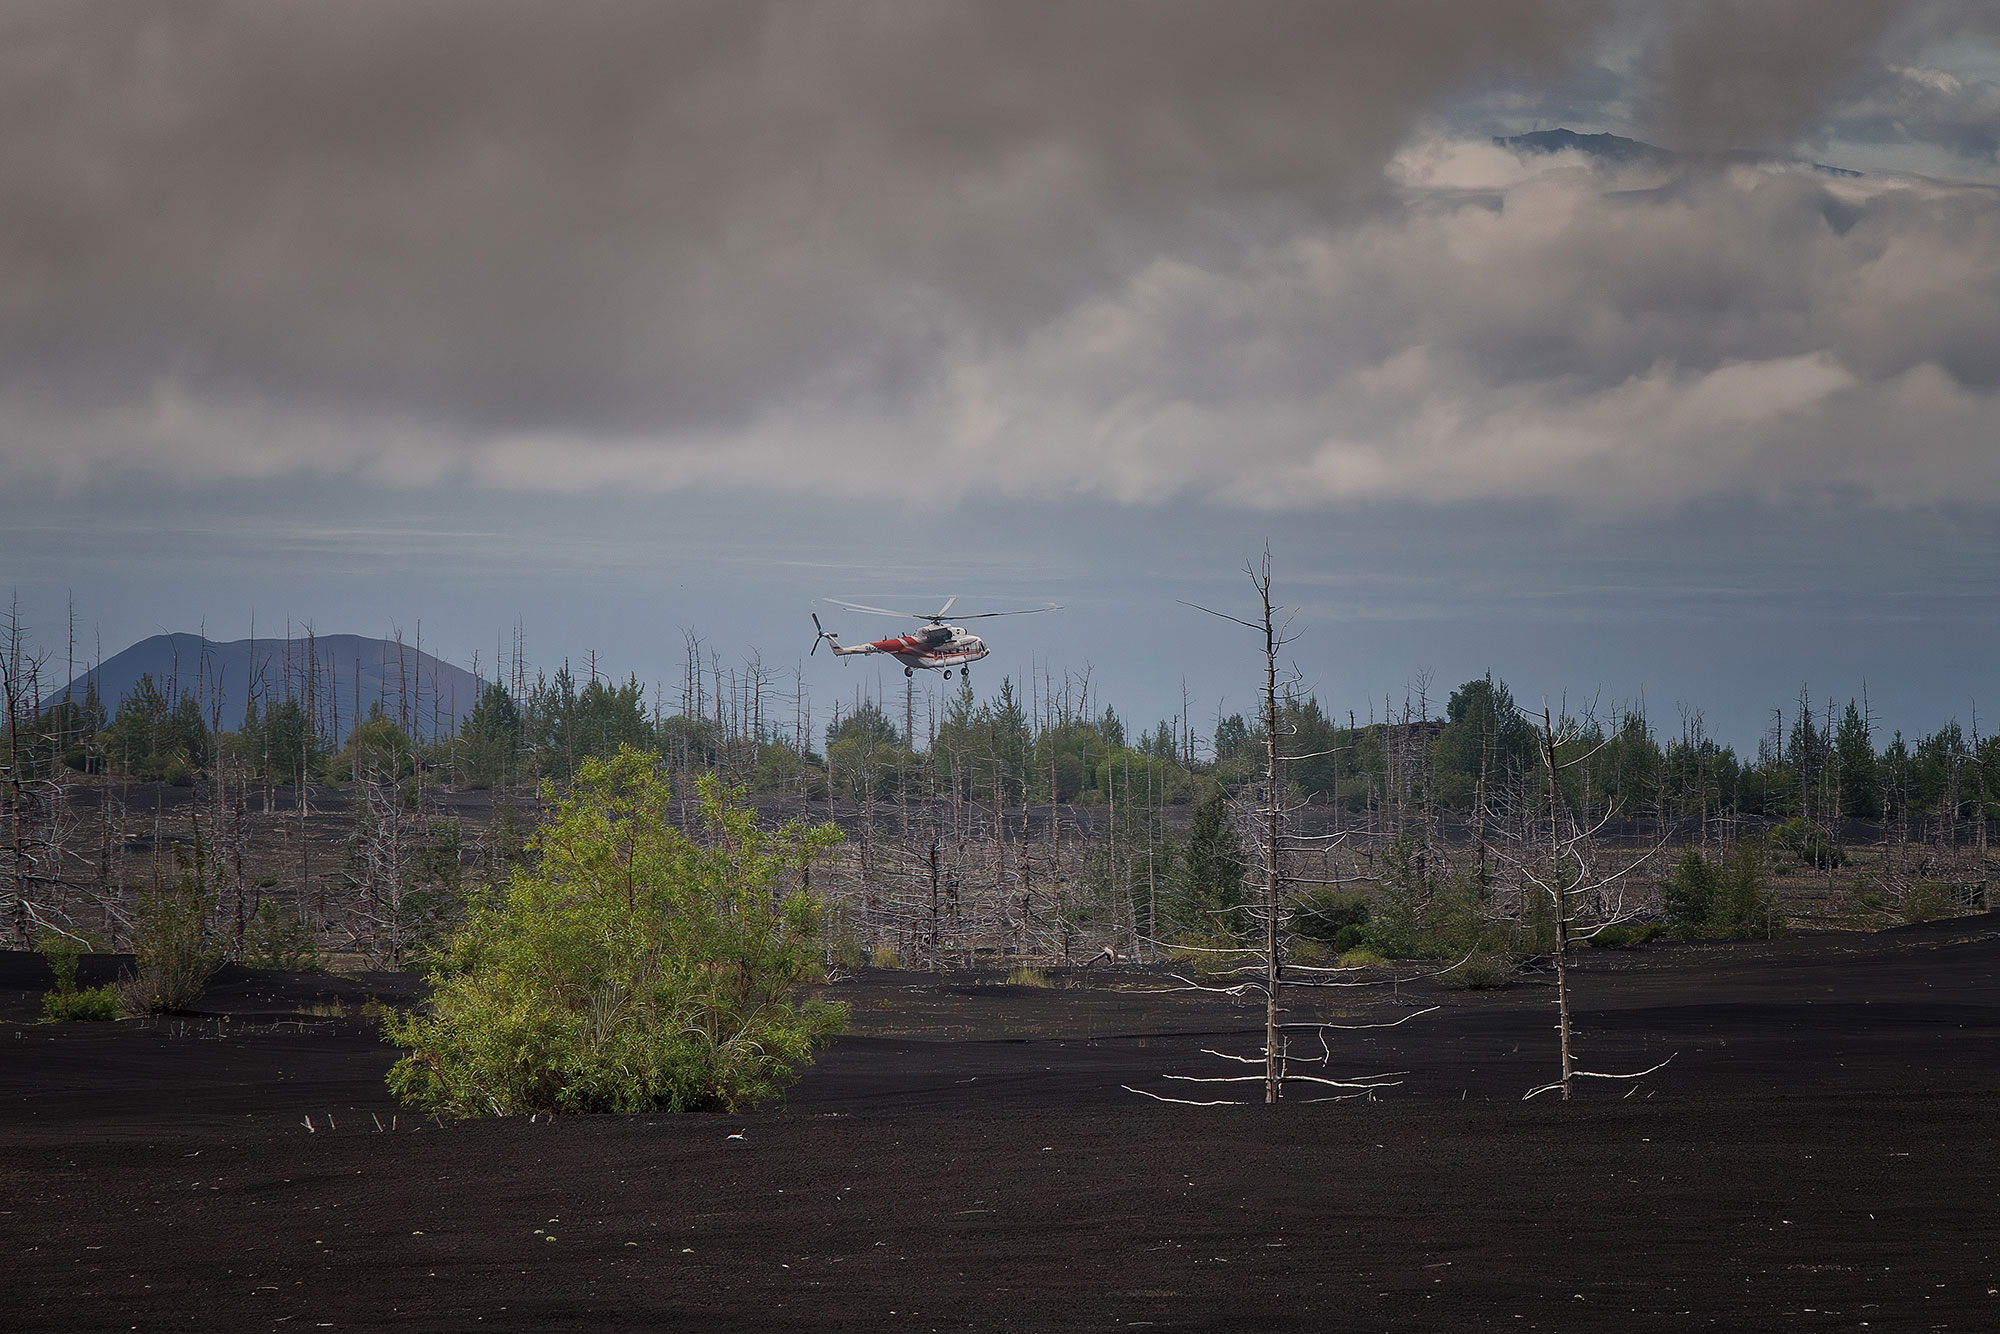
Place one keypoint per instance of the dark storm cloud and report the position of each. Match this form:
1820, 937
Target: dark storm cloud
1729, 74
922, 249
631, 216
1750, 73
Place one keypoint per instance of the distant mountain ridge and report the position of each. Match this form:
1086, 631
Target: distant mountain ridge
343, 676
1617, 148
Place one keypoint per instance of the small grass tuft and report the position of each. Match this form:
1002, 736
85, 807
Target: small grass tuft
1024, 976
885, 956
1362, 958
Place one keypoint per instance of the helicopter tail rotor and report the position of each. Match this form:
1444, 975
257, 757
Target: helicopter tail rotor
820, 632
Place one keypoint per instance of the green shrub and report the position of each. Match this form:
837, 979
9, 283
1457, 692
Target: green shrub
61, 953
1450, 926
1388, 938
1309, 952
65, 1003
1324, 912
276, 938
1362, 958
93, 1003
1807, 844
1728, 899
171, 948
630, 969
1627, 937
1205, 896
1928, 901
842, 946
1481, 972
1406, 886
1743, 904
1688, 894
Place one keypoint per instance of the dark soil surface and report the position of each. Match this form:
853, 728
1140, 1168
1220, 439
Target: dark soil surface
1820, 1154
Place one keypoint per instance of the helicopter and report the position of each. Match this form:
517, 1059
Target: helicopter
937, 646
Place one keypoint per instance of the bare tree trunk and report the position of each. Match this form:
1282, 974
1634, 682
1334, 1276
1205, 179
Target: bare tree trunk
1559, 891
1274, 1075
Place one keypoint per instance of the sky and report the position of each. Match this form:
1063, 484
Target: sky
619, 322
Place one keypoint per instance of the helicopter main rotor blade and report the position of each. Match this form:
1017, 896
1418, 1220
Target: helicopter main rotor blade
881, 611
938, 617
1024, 611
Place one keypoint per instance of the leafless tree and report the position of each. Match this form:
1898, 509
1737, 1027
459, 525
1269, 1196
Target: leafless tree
1585, 899
1260, 971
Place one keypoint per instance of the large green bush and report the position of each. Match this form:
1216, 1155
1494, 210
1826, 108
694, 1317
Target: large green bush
629, 968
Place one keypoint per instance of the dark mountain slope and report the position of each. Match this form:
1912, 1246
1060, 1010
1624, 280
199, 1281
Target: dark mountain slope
344, 675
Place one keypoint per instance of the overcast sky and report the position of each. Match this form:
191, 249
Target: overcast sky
619, 320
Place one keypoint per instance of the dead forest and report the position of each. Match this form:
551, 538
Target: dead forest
1028, 825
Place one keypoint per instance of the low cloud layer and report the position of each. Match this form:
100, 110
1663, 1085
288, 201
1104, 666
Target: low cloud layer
926, 250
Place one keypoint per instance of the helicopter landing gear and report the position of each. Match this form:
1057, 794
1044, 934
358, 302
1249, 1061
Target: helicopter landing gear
909, 671
966, 672
947, 674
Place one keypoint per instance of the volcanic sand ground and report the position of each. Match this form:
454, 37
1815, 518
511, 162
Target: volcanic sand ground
1820, 1154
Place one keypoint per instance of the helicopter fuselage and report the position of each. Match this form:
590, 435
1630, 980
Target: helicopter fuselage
933, 647
936, 646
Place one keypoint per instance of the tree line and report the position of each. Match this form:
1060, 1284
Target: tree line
1036, 800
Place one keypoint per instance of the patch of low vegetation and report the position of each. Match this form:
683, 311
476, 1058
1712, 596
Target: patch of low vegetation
1423, 911
66, 1002
1480, 972
1806, 844
96, 1004
276, 938
838, 940
885, 956
630, 967
1724, 898
1931, 901
1024, 976
1325, 913
1626, 936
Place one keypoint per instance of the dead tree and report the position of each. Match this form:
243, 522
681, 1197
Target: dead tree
1260, 970
39, 821
1584, 900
